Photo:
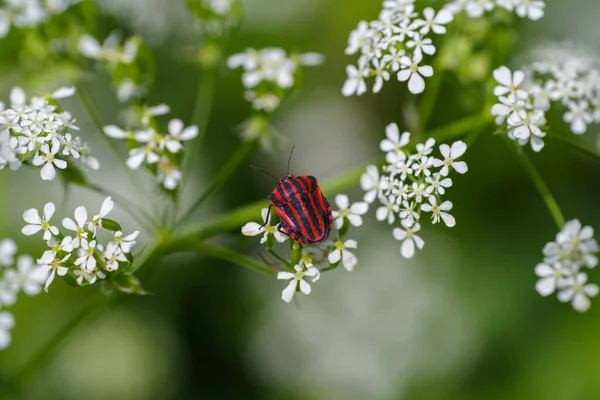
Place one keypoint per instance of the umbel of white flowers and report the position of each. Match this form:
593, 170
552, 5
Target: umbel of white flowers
412, 183
565, 260
400, 40
38, 132
79, 251
269, 73
17, 275
157, 148
563, 75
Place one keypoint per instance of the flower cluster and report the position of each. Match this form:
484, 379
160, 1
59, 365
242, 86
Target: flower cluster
269, 73
311, 260
400, 39
216, 17
29, 13
22, 276
564, 259
119, 60
412, 183
38, 132
161, 153
77, 255
526, 95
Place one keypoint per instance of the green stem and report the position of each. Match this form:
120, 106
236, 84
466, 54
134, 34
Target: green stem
92, 111
430, 96
224, 174
278, 257
539, 184
201, 115
223, 253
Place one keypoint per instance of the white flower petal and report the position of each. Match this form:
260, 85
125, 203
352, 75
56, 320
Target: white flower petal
288, 293
546, 286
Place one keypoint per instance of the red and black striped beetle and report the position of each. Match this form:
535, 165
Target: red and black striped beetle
304, 213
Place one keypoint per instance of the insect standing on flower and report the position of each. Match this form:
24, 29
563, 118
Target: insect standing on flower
304, 213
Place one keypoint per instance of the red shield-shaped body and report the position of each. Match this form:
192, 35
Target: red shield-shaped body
304, 213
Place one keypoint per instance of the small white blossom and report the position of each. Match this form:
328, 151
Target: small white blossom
297, 279
352, 212
412, 72
253, 229
439, 211
342, 253
370, 183
450, 154
578, 292
37, 223
107, 206
53, 265
78, 226
408, 238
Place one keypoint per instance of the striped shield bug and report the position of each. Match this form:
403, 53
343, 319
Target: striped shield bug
304, 213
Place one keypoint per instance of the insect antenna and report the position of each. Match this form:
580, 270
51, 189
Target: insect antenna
265, 172
290, 159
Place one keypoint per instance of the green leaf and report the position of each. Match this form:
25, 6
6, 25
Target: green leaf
110, 225
129, 284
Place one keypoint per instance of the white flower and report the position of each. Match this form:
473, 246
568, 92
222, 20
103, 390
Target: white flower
409, 239
370, 183
253, 229
387, 211
46, 156
36, 224
421, 45
107, 206
450, 154
7, 322
86, 257
381, 74
29, 276
550, 277
525, 125
124, 243
579, 116
394, 142
168, 174
360, 38
297, 280
413, 73
341, 252
8, 249
510, 82
79, 227
355, 82
532, 9
54, 265
177, 134
145, 153
578, 292
434, 21
439, 211
437, 185
9, 289
351, 212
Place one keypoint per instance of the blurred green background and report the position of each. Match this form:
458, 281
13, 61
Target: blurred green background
462, 320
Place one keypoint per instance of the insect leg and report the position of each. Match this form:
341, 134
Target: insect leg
268, 214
